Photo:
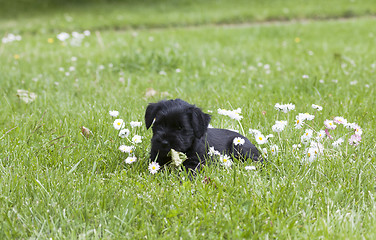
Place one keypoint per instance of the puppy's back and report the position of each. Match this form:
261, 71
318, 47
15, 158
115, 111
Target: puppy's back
222, 141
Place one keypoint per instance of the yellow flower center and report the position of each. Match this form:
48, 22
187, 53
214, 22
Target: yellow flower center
153, 167
306, 134
309, 154
225, 160
297, 121
260, 138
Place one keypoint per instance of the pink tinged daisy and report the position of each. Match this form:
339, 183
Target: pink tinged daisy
274, 149
130, 159
316, 107
135, 124
136, 139
118, 124
355, 140
114, 113
123, 133
153, 167
238, 141
261, 139
249, 168
337, 143
225, 160
329, 124
126, 149
340, 120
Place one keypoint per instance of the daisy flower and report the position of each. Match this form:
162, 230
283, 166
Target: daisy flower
320, 135
316, 107
261, 139
284, 107
118, 124
123, 133
337, 143
265, 151
311, 154
153, 167
225, 160
212, 152
238, 141
130, 159
254, 132
63, 36
306, 136
279, 126
306, 116
135, 124
114, 113
250, 168
298, 122
274, 149
126, 149
340, 120
355, 140
136, 139
329, 124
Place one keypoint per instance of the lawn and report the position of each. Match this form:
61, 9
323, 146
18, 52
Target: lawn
56, 183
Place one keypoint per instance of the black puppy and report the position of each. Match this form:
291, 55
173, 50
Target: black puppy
183, 127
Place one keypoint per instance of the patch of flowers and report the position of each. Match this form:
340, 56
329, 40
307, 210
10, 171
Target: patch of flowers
75, 38
11, 38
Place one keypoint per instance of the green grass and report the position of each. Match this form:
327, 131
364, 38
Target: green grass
55, 183
51, 16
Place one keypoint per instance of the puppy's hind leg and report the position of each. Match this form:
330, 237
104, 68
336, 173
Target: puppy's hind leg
247, 151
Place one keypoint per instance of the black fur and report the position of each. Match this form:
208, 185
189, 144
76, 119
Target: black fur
184, 127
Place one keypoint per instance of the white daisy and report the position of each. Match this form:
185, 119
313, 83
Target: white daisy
212, 151
250, 168
320, 135
298, 122
329, 124
126, 149
238, 141
265, 151
135, 124
153, 167
136, 139
317, 107
261, 139
284, 107
274, 149
123, 133
337, 143
114, 113
118, 124
306, 116
254, 132
225, 160
130, 159
279, 126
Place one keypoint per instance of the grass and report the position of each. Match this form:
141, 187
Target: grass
52, 16
55, 183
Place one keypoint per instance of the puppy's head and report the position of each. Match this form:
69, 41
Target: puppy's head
176, 124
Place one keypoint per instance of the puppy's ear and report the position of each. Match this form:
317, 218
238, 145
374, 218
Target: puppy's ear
151, 112
200, 122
